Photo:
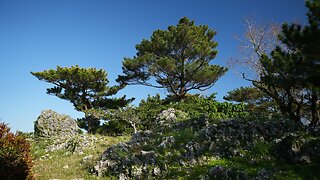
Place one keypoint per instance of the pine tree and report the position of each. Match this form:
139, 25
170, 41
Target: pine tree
86, 89
177, 59
291, 75
256, 101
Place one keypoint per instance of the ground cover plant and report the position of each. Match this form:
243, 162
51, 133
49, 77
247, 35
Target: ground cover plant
15, 156
67, 164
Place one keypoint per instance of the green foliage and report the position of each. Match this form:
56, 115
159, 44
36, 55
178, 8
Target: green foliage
148, 110
291, 75
177, 58
62, 164
127, 114
194, 105
86, 89
116, 128
15, 156
256, 101
143, 117
305, 41
95, 124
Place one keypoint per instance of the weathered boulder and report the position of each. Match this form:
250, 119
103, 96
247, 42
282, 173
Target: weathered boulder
75, 144
168, 117
51, 124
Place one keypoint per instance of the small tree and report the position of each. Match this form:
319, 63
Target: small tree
256, 101
85, 88
178, 60
128, 114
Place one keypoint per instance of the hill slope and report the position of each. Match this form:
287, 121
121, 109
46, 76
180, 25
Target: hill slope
205, 149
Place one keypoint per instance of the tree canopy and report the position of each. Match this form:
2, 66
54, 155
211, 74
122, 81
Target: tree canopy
291, 75
177, 59
85, 88
256, 101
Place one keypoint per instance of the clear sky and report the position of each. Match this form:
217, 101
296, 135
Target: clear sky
36, 35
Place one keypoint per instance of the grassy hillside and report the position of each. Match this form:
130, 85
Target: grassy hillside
191, 149
206, 149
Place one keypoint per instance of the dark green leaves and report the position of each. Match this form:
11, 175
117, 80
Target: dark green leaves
255, 100
291, 75
85, 88
176, 59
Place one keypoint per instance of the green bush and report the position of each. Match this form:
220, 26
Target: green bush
198, 105
115, 128
194, 105
15, 157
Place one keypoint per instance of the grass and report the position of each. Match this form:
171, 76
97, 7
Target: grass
64, 165
260, 157
279, 169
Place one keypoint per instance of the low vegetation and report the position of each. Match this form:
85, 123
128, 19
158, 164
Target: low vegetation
196, 148
203, 148
15, 156
65, 163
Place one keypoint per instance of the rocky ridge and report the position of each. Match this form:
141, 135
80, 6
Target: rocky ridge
182, 147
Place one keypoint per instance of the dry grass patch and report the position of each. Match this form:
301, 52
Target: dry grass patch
63, 164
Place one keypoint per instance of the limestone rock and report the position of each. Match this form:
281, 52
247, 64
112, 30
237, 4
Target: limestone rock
187, 144
50, 124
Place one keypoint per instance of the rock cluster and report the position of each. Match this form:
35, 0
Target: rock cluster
168, 117
142, 161
51, 124
75, 144
219, 172
63, 133
192, 143
295, 149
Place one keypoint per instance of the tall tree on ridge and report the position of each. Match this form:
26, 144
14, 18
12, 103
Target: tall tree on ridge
176, 59
290, 73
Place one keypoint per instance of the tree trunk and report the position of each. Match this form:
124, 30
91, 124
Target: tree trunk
314, 108
89, 121
135, 129
133, 125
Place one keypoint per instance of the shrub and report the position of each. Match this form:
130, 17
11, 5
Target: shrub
115, 128
15, 157
194, 105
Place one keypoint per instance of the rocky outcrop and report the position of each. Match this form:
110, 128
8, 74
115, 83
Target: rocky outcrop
75, 144
63, 133
195, 143
296, 149
51, 124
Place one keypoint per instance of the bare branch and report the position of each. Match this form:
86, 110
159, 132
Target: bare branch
259, 39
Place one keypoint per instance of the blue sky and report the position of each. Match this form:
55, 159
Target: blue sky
40, 34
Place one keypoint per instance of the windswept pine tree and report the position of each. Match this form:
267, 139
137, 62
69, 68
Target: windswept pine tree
86, 89
177, 59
